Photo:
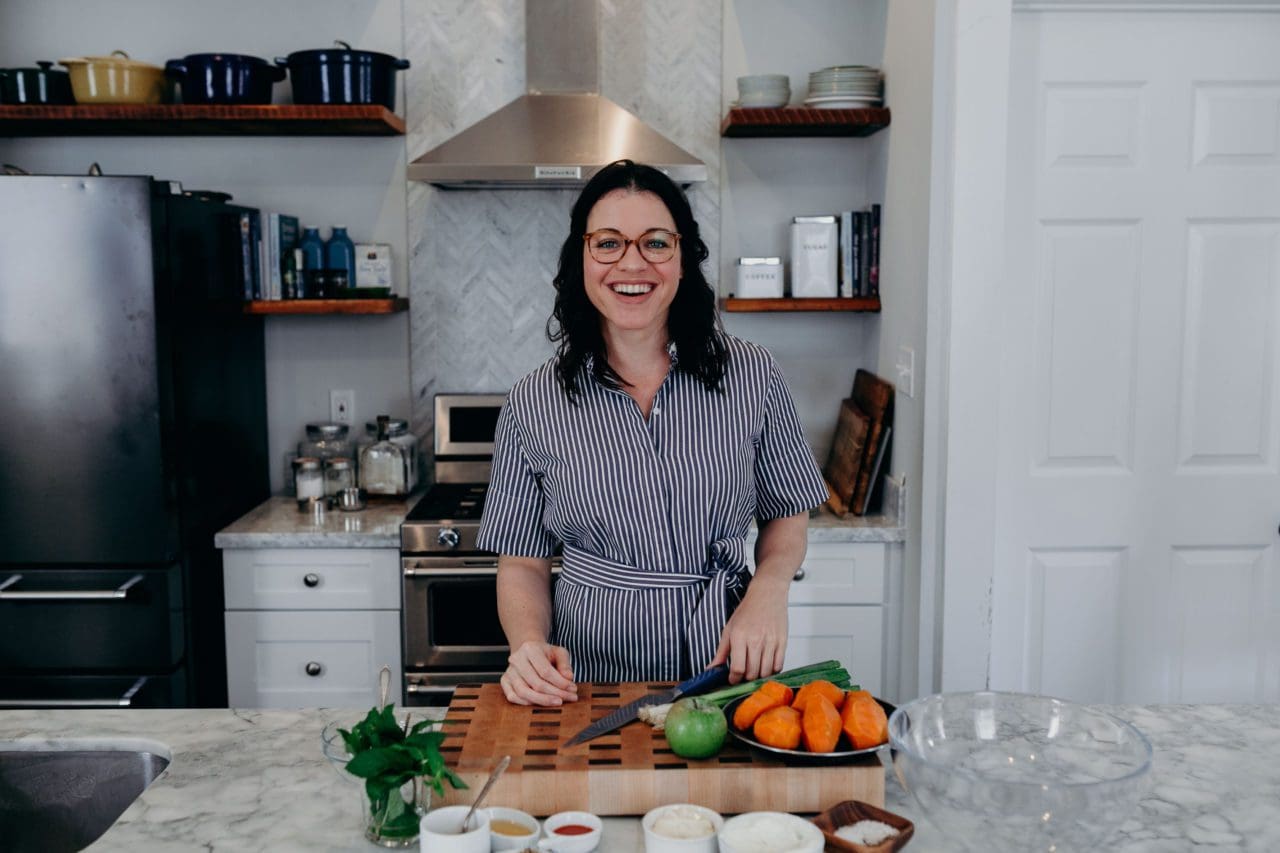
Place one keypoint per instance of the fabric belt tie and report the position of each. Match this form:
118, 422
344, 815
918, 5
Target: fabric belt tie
724, 572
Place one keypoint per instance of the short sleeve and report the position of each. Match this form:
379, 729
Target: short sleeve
512, 520
787, 479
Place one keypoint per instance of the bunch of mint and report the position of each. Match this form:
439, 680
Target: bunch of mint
386, 757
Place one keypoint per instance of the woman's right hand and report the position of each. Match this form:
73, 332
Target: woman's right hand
539, 674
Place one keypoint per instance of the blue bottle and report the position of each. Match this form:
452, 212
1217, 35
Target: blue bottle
312, 262
340, 256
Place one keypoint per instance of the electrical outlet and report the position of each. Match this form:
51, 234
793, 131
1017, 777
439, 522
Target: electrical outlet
906, 369
342, 406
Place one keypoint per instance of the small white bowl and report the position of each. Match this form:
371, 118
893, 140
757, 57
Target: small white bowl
438, 831
502, 841
794, 834
655, 842
582, 843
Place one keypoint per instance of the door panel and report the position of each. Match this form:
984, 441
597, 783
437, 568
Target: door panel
1138, 486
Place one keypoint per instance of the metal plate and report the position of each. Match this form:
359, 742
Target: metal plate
800, 756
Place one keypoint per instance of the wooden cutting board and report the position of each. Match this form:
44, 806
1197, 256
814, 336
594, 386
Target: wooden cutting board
847, 450
873, 396
629, 771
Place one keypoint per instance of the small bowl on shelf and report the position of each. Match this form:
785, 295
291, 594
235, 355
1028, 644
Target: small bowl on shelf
849, 813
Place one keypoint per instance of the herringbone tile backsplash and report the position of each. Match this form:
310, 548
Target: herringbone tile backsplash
482, 260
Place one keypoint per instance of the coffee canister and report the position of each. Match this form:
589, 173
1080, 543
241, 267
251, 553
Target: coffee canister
759, 278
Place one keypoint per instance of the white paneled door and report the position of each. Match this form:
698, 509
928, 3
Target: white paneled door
1139, 483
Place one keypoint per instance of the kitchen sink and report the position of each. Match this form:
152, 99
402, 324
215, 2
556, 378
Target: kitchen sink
62, 795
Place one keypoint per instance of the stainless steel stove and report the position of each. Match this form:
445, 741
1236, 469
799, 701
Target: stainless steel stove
451, 631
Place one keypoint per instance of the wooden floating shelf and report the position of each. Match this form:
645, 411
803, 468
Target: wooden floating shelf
803, 121
199, 120
859, 303
393, 305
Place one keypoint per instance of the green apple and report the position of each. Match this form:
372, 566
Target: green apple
695, 728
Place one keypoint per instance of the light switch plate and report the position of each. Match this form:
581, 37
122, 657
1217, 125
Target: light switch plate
342, 405
906, 371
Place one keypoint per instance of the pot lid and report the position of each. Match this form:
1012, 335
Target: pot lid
117, 57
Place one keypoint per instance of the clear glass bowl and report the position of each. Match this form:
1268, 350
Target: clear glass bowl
1009, 771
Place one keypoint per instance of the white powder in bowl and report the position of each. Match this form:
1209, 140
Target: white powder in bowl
683, 822
765, 832
866, 832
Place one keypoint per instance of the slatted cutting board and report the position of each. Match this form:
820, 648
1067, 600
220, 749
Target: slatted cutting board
629, 771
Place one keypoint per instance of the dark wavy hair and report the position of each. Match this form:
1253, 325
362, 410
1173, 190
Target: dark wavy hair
692, 321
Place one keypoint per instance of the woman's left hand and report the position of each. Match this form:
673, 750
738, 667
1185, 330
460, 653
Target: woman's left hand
755, 639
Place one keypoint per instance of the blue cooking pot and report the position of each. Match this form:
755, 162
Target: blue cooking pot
223, 78
343, 76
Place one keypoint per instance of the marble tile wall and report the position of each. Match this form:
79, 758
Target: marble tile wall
481, 261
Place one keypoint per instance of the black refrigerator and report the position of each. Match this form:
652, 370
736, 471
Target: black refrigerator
134, 428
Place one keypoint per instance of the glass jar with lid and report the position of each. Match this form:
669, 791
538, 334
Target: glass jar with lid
398, 433
308, 480
326, 441
382, 466
339, 474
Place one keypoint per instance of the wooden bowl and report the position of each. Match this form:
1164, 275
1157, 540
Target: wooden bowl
852, 811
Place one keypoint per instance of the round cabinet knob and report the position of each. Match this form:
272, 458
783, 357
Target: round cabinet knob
314, 669
448, 537
799, 575
310, 579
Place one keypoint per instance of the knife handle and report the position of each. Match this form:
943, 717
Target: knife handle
703, 681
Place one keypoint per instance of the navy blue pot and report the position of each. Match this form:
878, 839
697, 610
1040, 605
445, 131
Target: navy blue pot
343, 76
223, 78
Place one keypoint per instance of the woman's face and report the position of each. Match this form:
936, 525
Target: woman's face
632, 294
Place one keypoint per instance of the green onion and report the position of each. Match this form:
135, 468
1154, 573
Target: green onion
829, 670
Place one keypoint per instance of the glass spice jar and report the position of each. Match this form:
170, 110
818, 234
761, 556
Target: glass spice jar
326, 441
382, 468
339, 474
308, 480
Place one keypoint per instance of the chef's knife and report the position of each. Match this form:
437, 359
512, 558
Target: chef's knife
700, 683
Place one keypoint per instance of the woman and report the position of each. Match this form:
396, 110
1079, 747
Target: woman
644, 448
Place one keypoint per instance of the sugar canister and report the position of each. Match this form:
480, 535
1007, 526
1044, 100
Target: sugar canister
813, 257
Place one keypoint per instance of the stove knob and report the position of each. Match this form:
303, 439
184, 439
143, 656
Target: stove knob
448, 537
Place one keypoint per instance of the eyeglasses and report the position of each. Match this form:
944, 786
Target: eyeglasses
656, 245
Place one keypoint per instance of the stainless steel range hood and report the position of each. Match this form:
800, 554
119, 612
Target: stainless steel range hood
563, 130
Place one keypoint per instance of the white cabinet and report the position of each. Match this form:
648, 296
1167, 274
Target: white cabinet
836, 610
311, 627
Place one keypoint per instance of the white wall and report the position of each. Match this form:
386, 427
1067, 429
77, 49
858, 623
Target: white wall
904, 163
324, 180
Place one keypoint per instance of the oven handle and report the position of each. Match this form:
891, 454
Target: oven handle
121, 591
478, 567
124, 701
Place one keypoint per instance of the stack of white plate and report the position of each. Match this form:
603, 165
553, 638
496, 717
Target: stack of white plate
764, 90
844, 87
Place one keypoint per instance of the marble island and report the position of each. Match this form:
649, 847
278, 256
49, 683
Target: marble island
256, 780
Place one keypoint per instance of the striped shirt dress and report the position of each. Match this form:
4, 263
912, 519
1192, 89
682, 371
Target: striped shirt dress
652, 516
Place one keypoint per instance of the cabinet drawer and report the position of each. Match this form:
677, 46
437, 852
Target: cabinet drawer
851, 635
841, 573
307, 660
312, 579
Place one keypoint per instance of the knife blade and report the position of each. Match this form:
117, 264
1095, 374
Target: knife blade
700, 683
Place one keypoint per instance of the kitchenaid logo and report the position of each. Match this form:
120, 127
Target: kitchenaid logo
557, 172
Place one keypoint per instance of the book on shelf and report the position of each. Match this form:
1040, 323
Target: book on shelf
864, 255
847, 285
873, 276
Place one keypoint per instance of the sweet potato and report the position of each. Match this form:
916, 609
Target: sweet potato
820, 724
777, 688
818, 688
778, 727
863, 720
753, 706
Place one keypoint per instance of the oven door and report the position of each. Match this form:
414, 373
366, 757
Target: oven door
452, 634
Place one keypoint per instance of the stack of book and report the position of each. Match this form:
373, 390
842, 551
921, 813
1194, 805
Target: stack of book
268, 266
860, 252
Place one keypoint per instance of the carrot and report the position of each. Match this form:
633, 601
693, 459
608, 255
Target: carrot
753, 706
863, 720
821, 687
821, 724
777, 688
779, 727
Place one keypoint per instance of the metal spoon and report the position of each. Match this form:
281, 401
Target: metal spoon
493, 777
384, 686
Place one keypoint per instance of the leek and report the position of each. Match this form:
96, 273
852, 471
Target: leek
830, 670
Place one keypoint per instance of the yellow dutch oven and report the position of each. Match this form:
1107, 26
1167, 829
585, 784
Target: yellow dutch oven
115, 79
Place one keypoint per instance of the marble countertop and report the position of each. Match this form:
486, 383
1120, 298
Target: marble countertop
277, 523
248, 781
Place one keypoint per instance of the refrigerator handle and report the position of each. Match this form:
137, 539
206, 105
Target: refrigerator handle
123, 701
119, 592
